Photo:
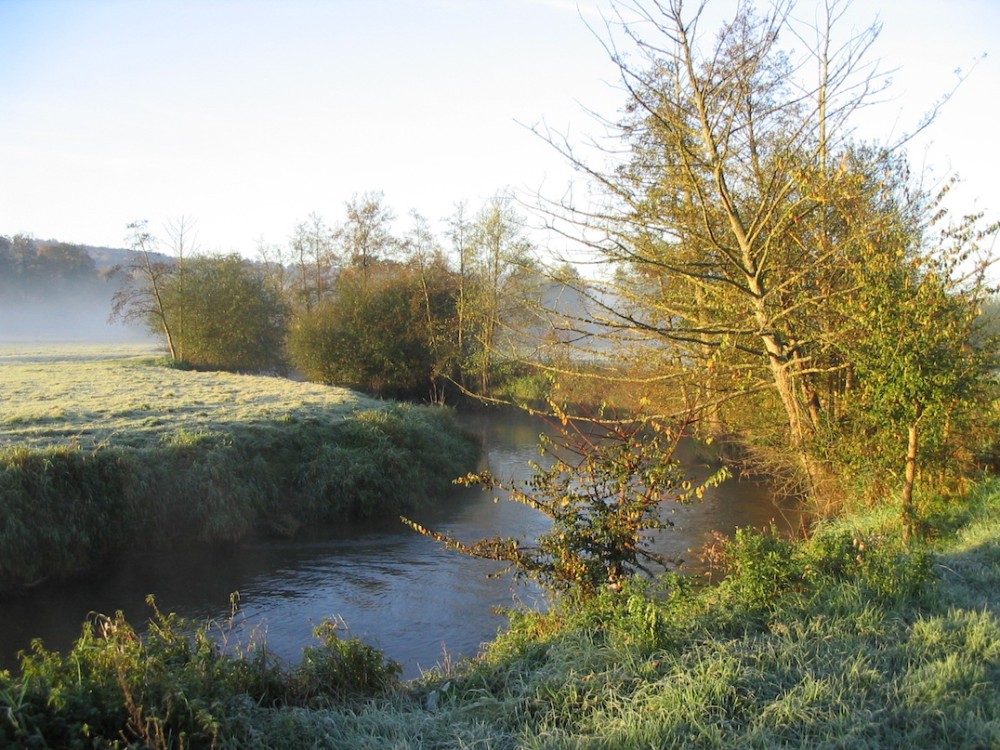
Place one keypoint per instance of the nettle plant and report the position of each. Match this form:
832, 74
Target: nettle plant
603, 485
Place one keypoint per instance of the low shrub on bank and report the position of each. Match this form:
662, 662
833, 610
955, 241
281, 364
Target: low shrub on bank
175, 687
63, 508
847, 639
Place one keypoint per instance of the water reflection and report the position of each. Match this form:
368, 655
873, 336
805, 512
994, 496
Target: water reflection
393, 587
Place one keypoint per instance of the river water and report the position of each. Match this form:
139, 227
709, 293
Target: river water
392, 587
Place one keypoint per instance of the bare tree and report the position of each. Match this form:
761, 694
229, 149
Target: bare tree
460, 234
367, 232
313, 248
275, 260
499, 255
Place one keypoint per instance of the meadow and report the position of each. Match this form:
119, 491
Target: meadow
102, 450
124, 395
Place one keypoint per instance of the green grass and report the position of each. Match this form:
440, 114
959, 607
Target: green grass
99, 453
89, 396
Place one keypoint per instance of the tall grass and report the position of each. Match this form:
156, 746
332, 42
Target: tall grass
215, 458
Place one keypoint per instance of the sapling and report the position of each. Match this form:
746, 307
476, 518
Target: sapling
603, 488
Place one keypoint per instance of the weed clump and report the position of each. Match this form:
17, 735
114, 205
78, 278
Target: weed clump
177, 686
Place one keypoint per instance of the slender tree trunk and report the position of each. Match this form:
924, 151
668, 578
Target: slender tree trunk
161, 307
910, 477
709, 405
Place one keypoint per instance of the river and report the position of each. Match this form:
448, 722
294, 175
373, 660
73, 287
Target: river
392, 587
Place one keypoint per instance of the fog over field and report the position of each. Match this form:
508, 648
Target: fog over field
69, 315
52, 291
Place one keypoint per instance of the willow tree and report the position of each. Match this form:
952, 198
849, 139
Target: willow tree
742, 211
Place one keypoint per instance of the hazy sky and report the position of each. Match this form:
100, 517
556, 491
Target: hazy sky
247, 115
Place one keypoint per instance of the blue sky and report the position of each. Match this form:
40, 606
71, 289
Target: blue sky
246, 116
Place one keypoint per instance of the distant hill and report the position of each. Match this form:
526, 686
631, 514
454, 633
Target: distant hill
106, 258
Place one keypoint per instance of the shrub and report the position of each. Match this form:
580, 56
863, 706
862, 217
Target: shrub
176, 686
377, 333
603, 490
340, 670
226, 315
763, 567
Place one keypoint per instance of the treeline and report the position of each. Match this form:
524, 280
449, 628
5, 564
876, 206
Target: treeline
29, 266
350, 303
56, 290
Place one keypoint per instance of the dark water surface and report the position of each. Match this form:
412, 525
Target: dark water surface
392, 587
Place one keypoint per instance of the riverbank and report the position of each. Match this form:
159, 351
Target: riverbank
104, 452
845, 639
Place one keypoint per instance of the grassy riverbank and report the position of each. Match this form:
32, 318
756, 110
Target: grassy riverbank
845, 640
101, 451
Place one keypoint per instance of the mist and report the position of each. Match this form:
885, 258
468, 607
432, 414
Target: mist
70, 313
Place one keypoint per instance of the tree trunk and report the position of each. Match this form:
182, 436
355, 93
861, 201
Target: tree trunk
910, 476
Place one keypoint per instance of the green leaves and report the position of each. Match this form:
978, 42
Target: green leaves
225, 315
374, 333
919, 382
